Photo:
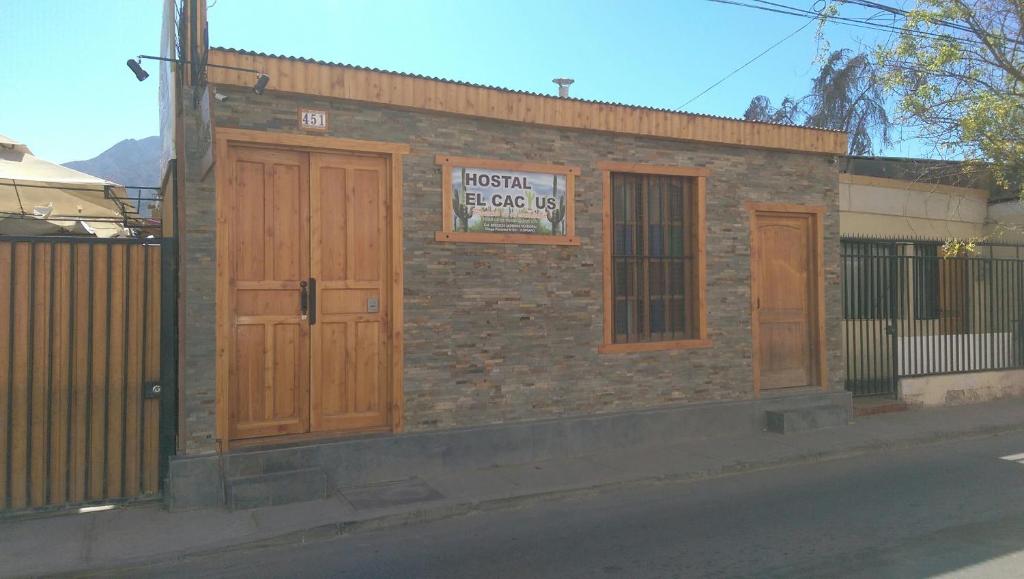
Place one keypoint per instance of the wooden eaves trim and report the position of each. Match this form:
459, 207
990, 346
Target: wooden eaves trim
387, 88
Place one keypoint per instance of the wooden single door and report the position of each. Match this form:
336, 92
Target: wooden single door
785, 299
349, 263
952, 295
269, 237
309, 293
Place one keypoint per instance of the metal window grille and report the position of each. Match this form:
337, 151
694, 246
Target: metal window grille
652, 257
911, 311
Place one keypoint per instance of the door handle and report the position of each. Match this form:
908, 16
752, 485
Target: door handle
312, 301
303, 300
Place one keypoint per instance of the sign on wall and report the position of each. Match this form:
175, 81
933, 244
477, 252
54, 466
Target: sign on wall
312, 119
487, 201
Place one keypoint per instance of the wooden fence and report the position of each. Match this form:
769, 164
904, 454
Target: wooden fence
79, 357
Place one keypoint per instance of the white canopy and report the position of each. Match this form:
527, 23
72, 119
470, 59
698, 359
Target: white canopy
69, 201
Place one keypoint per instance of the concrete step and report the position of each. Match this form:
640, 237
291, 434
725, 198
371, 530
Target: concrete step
807, 418
276, 488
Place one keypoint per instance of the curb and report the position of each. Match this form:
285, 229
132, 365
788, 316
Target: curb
426, 514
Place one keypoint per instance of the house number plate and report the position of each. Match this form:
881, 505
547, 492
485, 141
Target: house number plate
312, 119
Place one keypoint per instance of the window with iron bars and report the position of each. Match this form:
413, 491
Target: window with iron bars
653, 263
875, 275
926, 281
872, 280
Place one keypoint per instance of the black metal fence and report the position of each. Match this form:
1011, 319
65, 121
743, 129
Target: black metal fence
910, 310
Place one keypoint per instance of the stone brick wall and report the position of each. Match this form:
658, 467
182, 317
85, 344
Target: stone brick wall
497, 333
197, 231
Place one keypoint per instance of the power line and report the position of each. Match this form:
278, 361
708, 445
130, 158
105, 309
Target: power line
942, 22
744, 65
864, 23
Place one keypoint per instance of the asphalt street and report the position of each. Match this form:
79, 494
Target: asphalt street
953, 509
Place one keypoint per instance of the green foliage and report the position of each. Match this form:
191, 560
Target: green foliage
556, 216
845, 96
462, 211
957, 70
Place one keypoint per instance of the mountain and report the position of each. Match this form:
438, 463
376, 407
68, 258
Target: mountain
130, 162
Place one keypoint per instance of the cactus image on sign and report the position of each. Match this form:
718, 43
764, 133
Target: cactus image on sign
461, 211
557, 217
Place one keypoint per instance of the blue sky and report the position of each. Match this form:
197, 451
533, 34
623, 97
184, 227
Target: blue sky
68, 94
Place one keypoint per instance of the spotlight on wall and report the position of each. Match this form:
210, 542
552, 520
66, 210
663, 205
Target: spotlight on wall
262, 79
261, 83
136, 67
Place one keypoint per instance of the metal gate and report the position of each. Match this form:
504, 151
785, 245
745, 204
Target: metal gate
909, 310
87, 415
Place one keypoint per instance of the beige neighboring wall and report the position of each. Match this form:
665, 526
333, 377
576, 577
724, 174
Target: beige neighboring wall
873, 206
949, 389
1006, 221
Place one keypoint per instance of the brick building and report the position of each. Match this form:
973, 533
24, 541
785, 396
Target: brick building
466, 274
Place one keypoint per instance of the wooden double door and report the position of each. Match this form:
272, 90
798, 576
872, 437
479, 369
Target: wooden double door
787, 292
309, 307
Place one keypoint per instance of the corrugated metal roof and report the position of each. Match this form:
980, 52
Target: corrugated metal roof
506, 90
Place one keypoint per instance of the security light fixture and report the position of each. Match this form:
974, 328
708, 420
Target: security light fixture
136, 66
261, 83
262, 79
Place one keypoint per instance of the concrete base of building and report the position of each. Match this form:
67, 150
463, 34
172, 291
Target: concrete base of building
948, 389
262, 477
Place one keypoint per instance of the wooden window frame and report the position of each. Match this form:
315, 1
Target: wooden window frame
700, 286
449, 235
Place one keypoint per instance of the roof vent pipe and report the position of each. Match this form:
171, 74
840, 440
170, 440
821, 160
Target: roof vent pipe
563, 86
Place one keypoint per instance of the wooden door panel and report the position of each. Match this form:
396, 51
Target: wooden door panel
270, 396
952, 296
247, 256
348, 260
331, 227
335, 369
269, 374
784, 348
786, 299
286, 231
367, 224
365, 397
351, 396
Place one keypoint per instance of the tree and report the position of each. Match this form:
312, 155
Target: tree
761, 109
846, 96
957, 69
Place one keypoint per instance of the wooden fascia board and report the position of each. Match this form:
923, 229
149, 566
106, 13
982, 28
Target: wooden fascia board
341, 82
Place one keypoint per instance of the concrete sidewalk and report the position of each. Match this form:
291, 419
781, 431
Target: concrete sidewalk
144, 533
